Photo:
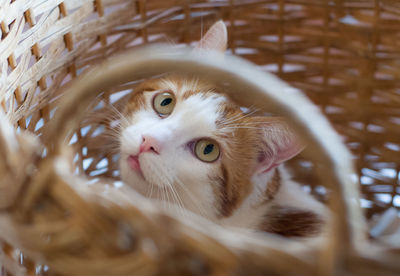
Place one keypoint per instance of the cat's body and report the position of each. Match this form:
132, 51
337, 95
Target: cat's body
183, 142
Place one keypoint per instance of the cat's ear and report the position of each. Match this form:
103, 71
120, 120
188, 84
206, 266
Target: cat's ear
279, 143
215, 39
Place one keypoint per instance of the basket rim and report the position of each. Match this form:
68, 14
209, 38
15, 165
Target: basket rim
267, 92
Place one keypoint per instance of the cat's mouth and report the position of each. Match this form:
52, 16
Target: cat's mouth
134, 164
150, 168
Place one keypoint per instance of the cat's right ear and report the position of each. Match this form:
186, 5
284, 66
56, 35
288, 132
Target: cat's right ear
215, 39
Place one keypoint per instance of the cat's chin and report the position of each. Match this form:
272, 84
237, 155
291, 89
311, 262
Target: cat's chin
139, 180
132, 178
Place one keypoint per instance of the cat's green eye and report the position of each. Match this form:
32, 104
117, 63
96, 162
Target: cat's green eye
164, 103
206, 150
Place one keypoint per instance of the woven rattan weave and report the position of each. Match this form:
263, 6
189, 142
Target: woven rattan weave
343, 54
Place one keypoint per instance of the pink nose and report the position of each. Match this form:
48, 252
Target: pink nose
149, 144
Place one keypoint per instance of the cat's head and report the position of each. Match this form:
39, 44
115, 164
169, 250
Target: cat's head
184, 142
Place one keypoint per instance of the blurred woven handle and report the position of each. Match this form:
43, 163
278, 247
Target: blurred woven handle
262, 90
18, 155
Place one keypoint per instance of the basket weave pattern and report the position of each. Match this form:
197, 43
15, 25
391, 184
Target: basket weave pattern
343, 54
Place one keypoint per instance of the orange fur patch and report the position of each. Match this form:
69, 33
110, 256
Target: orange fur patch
243, 144
291, 222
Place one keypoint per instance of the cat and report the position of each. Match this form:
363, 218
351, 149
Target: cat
184, 142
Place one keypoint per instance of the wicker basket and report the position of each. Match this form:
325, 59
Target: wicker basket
342, 54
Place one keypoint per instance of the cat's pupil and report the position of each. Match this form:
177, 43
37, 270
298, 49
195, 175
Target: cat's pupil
166, 101
208, 149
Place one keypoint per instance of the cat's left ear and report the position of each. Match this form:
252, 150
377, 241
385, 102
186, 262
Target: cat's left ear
215, 39
279, 143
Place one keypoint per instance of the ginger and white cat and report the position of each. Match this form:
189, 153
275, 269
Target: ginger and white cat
185, 143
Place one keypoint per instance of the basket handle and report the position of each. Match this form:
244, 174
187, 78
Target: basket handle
264, 91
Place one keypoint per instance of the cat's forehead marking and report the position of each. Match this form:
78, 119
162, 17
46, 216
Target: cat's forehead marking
185, 88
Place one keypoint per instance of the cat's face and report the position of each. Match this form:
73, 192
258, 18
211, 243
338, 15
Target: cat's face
183, 142
177, 142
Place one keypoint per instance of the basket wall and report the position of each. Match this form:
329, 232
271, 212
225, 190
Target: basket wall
343, 54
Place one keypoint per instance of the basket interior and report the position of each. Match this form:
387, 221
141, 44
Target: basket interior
342, 54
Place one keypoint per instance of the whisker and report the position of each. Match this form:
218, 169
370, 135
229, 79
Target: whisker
243, 124
163, 196
151, 189
197, 204
118, 113
244, 127
165, 190
177, 200
181, 201
240, 116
